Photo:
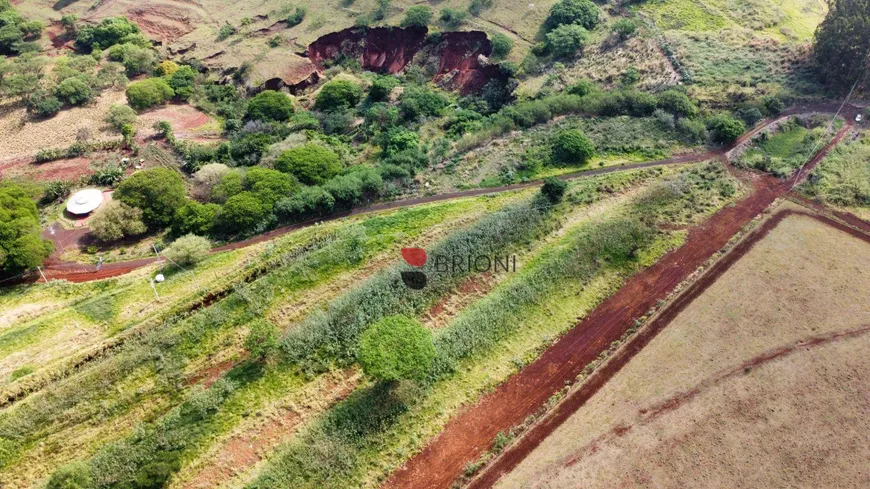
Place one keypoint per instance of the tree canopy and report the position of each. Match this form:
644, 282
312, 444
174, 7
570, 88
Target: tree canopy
843, 43
338, 95
21, 247
311, 163
572, 146
159, 192
270, 105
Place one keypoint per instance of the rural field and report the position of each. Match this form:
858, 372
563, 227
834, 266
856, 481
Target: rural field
405, 244
757, 379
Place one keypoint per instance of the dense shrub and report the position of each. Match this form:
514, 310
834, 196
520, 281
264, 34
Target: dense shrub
381, 88
398, 139
419, 15
421, 102
451, 18
572, 147
109, 32
231, 183
159, 192
692, 130
194, 218
380, 117
582, 87
750, 115
554, 189
567, 40
248, 148
296, 17
115, 221
311, 163
270, 105
624, 28
772, 105
262, 339
501, 45
119, 116
338, 95
76, 475
567, 12
148, 93
354, 188
308, 202
242, 213
269, 185
166, 68
21, 247
396, 348
182, 82
725, 129
74, 91
677, 103
188, 250
136, 59
45, 106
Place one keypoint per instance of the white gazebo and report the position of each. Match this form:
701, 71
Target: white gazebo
84, 202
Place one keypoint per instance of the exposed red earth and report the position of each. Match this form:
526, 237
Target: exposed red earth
469, 435
391, 49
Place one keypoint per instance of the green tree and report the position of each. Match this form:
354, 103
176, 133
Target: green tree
554, 189
501, 45
396, 348
421, 102
338, 95
724, 129
116, 220
136, 59
567, 40
451, 18
159, 192
567, 12
296, 17
74, 91
231, 183
419, 15
45, 106
397, 140
842, 43
382, 87
21, 248
182, 82
677, 103
148, 93
105, 34
572, 146
624, 28
188, 250
242, 213
270, 185
312, 164
270, 105
120, 116
194, 218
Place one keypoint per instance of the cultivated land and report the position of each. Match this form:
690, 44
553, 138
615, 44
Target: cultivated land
677, 296
758, 379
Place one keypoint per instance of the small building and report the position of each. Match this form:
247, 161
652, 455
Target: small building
84, 202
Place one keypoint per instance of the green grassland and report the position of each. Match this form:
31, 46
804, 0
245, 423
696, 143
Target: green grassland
842, 179
784, 150
739, 47
144, 400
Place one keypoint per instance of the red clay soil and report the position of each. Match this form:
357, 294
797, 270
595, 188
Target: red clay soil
469, 435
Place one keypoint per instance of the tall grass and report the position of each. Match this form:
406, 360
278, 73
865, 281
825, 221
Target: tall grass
330, 336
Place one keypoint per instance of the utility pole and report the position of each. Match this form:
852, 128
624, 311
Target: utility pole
43, 275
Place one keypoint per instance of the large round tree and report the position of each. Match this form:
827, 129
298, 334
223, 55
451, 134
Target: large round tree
397, 348
843, 43
20, 245
312, 164
159, 192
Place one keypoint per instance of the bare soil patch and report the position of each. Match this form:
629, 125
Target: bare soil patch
756, 382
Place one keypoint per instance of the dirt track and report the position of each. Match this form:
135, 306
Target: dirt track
469, 435
75, 272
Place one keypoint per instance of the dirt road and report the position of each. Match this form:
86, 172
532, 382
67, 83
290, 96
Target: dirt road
470, 434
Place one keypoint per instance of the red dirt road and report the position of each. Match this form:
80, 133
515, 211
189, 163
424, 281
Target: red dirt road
470, 434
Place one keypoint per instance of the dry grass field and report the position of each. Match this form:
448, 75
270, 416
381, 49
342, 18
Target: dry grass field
760, 382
